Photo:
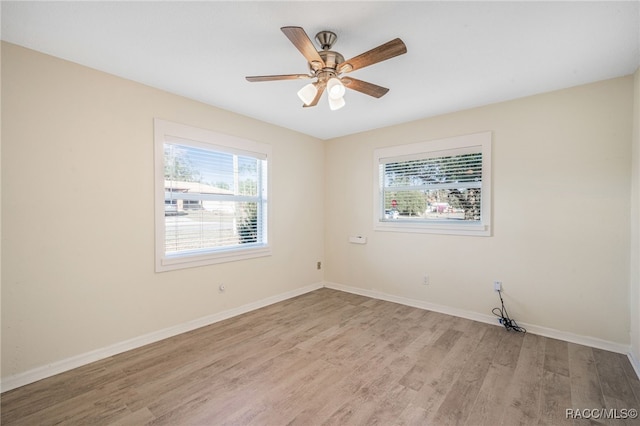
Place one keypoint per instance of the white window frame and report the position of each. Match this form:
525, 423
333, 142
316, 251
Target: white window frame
440, 147
167, 131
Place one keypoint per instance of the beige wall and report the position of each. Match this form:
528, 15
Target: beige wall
78, 229
634, 299
561, 212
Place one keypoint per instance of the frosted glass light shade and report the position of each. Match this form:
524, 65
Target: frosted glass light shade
335, 104
335, 88
308, 93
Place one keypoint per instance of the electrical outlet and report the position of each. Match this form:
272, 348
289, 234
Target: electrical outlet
425, 279
319, 265
497, 286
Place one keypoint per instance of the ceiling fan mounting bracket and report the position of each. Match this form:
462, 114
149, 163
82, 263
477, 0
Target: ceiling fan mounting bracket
326, 39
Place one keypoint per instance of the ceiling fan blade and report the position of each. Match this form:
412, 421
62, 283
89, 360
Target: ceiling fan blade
378, 54
314, 102
256, 78
301, 40
364, 87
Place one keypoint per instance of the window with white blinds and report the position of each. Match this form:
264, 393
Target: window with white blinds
441, 186
211, 197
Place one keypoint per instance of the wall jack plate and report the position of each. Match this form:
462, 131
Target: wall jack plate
497, 286
358, 239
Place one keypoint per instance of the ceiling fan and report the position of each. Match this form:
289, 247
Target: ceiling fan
327, 67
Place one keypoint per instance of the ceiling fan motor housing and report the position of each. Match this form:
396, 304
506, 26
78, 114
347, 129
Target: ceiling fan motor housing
331, 61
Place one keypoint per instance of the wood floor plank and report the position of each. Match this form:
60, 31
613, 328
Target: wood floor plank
329, 357
390, 406
458, 403
268, 401
586, 391
555, 399
140, 417
613, 379
350, 386
510, 348
412, 415
556, 357
363, 404
290, 400
440, 380
556, 384
435, 326
524, 390
492, 398
429, 359
221, 374
491, 401
40, 395
92, 407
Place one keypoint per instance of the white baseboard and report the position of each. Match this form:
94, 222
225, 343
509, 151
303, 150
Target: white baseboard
39, 373
489, 319
634, 362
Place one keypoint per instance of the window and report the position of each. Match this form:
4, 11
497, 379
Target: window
441, 186
211, 197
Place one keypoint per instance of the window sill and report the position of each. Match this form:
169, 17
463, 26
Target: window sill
170, 263
434, 228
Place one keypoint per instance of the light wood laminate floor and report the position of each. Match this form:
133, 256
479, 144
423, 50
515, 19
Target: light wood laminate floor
334, 358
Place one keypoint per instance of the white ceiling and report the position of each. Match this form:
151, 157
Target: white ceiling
460, 54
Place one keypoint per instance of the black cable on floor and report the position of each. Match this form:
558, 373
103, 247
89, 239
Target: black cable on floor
504, 319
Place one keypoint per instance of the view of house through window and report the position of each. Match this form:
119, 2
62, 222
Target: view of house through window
214, 201
211, 199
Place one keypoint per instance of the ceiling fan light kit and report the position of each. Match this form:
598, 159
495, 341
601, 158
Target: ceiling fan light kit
335, 88
327, 67
337, 103
307, 93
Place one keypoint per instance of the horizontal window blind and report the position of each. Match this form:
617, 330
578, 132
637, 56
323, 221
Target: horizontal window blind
216, 147
429, 187
438, 171
214, 199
